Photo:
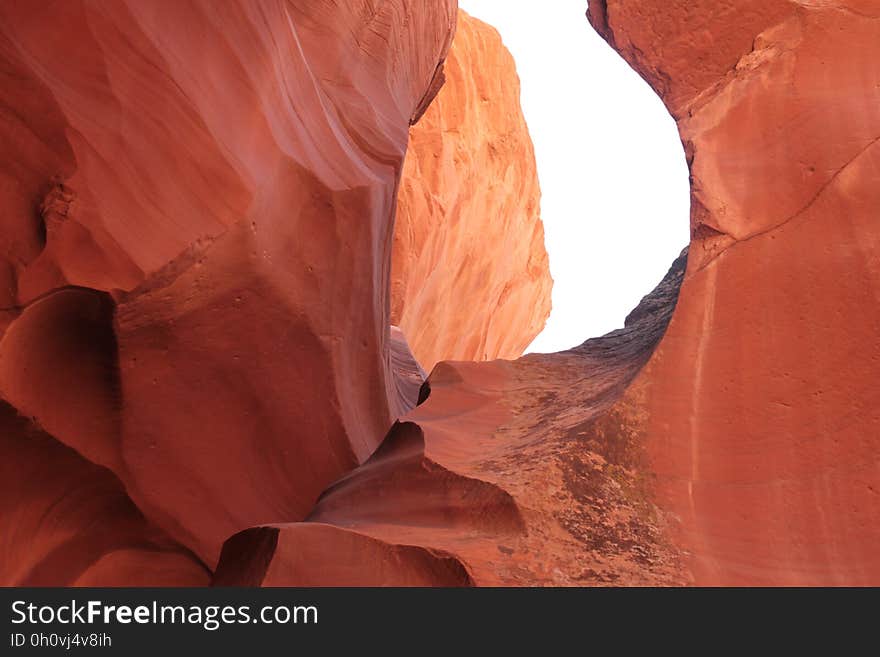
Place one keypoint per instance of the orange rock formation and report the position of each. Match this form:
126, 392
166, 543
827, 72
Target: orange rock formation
742, 447
761, 409
469, 274
197, 210
510, 474
195, 271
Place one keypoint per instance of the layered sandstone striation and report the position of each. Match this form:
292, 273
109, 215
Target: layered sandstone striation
197, 212
470, 277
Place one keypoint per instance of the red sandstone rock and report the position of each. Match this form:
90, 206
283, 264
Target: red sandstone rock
227, 176
66, 521
742, 448
408, 374
200, 230
516, 471
58, 366
470, 278
276, 556
761, 409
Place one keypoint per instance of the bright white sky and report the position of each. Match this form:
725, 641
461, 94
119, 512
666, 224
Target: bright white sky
615, 198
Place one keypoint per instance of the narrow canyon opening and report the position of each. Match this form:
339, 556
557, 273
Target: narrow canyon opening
615, 196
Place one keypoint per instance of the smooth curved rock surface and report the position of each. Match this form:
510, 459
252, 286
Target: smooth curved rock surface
761, 409
220, 183
65, 521
409, 377
58, 366
470, 278
742, 448
286, 554
237, 370
517, 470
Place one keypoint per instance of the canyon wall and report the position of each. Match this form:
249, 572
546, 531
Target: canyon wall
195, 273
469, 274
742, 448
195, 262
511, 473
197, 211
761, 409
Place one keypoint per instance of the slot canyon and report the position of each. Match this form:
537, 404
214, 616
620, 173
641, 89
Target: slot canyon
268, 269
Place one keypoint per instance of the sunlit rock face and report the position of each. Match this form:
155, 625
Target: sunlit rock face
470, 275
197, 214
761, 409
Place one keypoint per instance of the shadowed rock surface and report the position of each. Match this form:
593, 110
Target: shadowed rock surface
65, 521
